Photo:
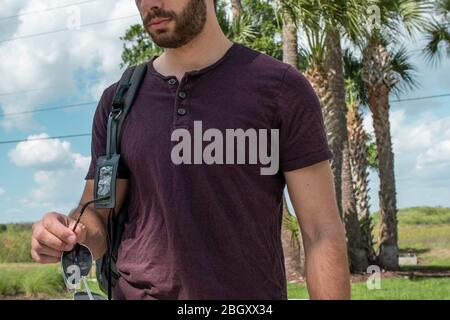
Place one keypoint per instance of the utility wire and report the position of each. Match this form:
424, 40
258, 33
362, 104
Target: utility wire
423, 98
68, 106
89, 134
46, 10
47, 138
11, 93
66, 29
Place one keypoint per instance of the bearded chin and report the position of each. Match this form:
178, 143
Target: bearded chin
172, 39
188, 25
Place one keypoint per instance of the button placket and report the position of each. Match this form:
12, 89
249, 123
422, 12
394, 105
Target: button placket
180, 97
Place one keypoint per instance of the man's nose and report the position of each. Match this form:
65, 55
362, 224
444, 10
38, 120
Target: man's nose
148, 5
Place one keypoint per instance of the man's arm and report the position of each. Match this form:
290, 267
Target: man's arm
53, 234
311, 190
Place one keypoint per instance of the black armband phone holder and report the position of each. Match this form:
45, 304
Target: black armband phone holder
105, 181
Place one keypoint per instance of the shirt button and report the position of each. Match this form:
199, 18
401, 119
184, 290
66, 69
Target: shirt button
181, 111
172, 81
182, 95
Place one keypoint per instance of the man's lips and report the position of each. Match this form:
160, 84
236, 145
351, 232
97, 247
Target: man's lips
158, 22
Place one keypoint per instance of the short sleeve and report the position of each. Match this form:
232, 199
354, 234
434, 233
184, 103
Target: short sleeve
99, 134
303, 140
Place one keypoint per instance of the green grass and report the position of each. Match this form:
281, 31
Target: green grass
421, 216
45, 282
31, 280
15, 243
391, 289
424, 231
34, 281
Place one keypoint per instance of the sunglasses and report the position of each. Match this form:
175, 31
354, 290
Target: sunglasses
76, 265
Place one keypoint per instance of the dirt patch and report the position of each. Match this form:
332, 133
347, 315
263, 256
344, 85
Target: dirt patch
355, 278
20, 297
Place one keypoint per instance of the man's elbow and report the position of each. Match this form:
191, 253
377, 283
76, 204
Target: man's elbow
332, 233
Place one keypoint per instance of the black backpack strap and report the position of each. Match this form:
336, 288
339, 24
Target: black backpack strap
127, 90
108, 167
126, 93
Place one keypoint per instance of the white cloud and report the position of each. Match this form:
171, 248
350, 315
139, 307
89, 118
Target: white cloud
43, 154
56, 188
2, 192
59, 176
55, 61
421, 146
438, 154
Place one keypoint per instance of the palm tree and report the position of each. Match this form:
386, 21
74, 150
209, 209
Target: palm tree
292, 242
380, 79
359, 162
438, 33
324, 23
357, 253
290, 42
236, 8
358, 149
293, 251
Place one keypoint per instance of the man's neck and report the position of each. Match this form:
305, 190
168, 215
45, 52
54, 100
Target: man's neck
208, 47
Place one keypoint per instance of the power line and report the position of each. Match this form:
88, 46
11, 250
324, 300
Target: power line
11, 93
423, 98
21, 91
49, 109
66, 29
47, 138
46, 10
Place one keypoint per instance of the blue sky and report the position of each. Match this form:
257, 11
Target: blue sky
76, 65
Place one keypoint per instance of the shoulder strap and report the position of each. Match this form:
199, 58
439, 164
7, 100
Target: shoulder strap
127, 90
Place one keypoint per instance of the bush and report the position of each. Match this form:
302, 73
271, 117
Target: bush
32, 280
47, 281
9, 285
15, 243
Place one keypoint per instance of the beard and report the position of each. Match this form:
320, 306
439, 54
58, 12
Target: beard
188, 25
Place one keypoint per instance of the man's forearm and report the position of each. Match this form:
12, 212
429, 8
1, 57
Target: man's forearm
327, 270
96, 236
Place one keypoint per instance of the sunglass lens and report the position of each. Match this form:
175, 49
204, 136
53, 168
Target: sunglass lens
76, 263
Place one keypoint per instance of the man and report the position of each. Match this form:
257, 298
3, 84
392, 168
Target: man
202, 229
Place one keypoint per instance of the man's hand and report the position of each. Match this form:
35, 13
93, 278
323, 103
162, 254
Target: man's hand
52, 235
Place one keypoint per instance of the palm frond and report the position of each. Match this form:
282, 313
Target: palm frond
412, 13
405, 71
438, 40
242, 30
353, 73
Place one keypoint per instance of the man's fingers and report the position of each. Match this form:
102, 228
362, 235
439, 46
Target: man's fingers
52, 241
54, 224
45, 250
42, 258
80, 231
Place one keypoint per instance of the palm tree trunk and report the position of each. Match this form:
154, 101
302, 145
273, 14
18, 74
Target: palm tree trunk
294, 255
359, 164
334, 107
236, 9
293, 250
290, 42
379, 79
355, 247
